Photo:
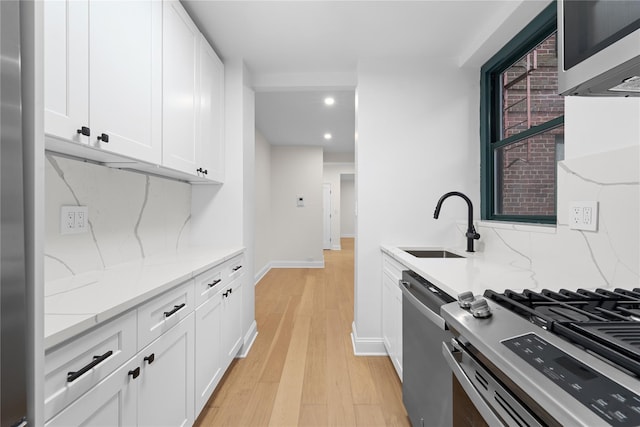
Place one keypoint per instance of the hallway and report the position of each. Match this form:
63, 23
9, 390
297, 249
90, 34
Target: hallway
301, 370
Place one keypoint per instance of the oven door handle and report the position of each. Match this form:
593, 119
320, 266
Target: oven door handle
481, 405
407, 291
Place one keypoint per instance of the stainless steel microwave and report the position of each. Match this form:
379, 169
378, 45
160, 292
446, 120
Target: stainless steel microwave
599, 47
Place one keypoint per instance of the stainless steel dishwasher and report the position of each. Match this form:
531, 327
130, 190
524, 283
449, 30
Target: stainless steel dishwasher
426, 386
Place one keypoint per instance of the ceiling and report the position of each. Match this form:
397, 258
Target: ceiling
294, 37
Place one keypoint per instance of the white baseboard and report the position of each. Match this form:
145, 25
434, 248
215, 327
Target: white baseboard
348, 236
366, 346
249, 339
336, 248
261, 273
297, 264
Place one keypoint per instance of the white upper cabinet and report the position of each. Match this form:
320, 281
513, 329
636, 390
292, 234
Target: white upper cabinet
211, 117
139, 74
125, 84
180, 99
66, 64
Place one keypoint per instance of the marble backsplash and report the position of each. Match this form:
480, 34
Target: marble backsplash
558, 257
131, 216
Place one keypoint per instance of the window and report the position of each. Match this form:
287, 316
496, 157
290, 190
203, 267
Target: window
522, 126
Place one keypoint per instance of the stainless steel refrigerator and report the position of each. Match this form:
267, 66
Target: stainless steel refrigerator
13, 312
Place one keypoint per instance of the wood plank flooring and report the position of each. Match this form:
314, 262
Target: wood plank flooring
301, 370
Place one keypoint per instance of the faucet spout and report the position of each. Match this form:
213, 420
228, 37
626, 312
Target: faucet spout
471, 233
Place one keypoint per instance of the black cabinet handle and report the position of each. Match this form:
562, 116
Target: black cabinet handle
135, 373
72, 376
237, 267
150, 358
225, 294
215, 282
84, 131
103, 137
175, 309
202, 171
230, 290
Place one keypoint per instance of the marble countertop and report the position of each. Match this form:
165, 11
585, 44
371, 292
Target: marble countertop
75, 304
475, 272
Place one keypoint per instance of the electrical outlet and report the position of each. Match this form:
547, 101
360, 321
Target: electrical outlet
583, 216
73, 219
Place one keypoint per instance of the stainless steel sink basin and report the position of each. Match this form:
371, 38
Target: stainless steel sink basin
431, 253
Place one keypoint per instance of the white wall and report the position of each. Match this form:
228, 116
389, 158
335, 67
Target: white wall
297, 231
596, 125
347, 207
263, 235
131, 216
331, 175
417, 125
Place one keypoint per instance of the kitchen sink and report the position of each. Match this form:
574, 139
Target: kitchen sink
431, 253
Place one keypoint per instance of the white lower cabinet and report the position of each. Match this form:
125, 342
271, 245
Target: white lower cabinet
165, 384
208, 358
392, 311
113, 402
231, 333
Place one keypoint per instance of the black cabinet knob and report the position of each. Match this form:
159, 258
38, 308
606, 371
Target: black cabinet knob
84, 131
149, 359
135, 373
225, 294
103, 137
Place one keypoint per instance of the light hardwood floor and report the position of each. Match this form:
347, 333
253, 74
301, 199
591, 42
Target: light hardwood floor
301, 370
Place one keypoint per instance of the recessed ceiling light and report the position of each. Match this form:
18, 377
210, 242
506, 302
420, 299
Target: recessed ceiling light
327, 136
329, 101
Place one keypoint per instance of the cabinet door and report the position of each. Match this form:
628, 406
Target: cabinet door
208, 369
211, 118
397, 335
231, 320
180, 97
111, 403
388, 316
165, 385
66, 69
125, 63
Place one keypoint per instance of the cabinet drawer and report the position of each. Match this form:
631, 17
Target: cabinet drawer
77, 366
208, 283
235, 267
391, 267
164, 312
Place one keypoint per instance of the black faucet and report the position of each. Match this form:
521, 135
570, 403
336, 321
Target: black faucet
471, 230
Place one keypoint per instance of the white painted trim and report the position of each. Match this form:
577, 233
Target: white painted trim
249, 339
297, 264
260, 274
336, 247
366, 346
348, 236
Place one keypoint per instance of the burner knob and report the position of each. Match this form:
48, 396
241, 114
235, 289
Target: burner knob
465, 299
480, 308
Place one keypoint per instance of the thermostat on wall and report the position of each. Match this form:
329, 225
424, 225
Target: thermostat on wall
300, 201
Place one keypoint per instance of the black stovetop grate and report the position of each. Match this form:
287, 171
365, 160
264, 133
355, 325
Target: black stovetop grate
602, 321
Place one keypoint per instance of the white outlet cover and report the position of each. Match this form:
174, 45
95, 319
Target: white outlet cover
583, 215
74, 219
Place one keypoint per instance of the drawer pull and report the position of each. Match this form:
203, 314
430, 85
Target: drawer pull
149, 359
237, 267
72, 376
225, 294
175, 309
215, 282
230, 290
135, 373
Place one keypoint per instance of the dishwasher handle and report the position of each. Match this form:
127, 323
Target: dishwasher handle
414, 296
478, 401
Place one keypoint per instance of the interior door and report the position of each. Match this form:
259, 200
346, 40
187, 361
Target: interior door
326, 216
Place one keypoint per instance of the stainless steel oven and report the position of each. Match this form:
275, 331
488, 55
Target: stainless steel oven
550, 358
